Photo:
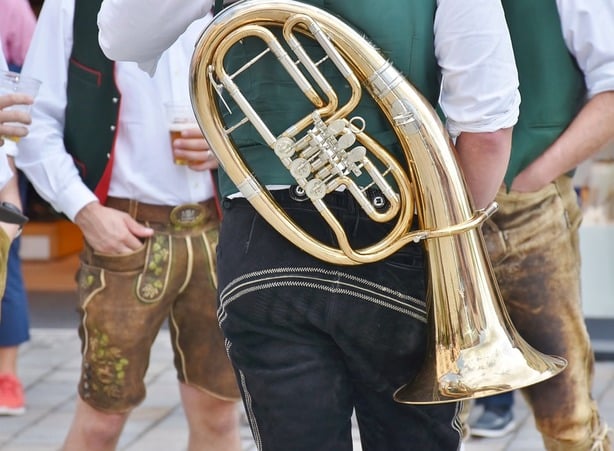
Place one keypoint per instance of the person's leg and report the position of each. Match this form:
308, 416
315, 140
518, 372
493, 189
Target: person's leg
285, 316
503, 401
93, 429
117, 331
538, 269
300, 387
383, 354
213, 422
496, 418
208, 385
14, 331
297, 395
464, 413
8, 360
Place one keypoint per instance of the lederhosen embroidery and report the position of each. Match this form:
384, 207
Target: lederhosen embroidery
153, 281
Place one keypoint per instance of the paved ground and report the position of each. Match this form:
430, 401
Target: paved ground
49, 369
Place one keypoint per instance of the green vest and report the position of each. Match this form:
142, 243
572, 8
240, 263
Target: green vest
93, 100
409, 44
551, 84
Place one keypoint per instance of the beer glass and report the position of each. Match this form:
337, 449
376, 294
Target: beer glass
179, 117
13, 83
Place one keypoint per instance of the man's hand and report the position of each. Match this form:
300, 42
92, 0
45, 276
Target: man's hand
530, 180
193, 148
110, 231
12, 115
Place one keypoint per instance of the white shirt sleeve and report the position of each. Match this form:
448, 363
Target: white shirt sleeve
479, 76
140, 30
587, 29
480, 82
42, 155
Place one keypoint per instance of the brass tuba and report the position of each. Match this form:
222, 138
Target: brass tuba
474, 350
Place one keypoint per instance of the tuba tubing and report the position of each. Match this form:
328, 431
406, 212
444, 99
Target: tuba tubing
415, 123
474, 349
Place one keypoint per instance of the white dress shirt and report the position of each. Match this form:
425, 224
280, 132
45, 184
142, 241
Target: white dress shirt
143, 168
9, 147
587, 29
479, 90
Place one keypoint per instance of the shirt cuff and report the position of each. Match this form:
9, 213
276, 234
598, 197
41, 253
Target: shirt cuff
73, 199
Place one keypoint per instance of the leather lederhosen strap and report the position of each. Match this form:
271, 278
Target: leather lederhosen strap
185, 215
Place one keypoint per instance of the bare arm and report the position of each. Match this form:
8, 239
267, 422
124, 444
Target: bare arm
483, 158
587, 134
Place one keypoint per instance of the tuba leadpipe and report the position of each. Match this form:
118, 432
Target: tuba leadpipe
474, 350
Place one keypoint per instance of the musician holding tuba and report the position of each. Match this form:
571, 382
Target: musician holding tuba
313, 341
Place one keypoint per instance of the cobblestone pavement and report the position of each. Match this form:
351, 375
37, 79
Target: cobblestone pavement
49, 368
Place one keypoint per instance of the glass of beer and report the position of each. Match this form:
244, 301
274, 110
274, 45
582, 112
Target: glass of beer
13, 83
179, 117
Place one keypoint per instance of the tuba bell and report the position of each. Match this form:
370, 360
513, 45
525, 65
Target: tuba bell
474, 350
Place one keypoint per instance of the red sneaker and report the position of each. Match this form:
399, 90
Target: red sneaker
11, 396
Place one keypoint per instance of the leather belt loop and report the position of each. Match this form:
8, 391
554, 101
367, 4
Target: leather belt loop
133, 207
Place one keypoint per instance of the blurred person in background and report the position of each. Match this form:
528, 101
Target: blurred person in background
100, 152
565, 61
17, 23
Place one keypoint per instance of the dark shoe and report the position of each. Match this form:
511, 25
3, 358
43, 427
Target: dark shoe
493, 424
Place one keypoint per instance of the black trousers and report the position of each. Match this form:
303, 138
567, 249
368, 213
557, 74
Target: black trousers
312, 343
